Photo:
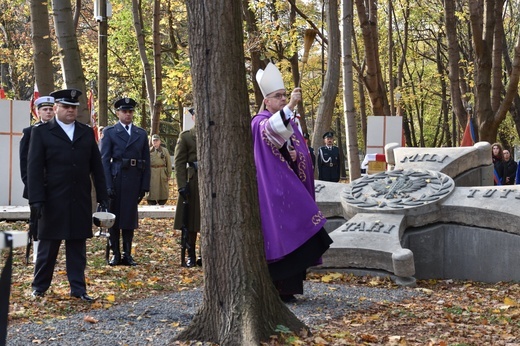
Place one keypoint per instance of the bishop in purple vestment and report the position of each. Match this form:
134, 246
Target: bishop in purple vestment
292, 224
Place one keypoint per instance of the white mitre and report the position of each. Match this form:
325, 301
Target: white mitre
269, 79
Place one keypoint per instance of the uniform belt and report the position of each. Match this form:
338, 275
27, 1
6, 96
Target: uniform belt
158, 166
127, 163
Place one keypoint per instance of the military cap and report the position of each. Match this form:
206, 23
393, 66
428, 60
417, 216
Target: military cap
328, 134
154, 137
67, 96
44, 101
125, 103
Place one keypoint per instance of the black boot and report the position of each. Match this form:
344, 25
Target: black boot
192, 261
114, 246
127, 254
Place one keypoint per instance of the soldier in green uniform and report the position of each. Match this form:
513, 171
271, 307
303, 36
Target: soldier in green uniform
161, 171
328, 159
186, 168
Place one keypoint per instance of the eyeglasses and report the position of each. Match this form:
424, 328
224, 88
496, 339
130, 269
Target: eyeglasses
278, 96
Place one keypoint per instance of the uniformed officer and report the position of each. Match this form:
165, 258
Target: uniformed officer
63, 156
186, 169
44, 108
126, 162
328, 159
161, 171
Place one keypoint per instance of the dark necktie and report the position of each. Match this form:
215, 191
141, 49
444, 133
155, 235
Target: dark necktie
126, 127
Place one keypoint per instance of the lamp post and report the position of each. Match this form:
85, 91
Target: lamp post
102, 18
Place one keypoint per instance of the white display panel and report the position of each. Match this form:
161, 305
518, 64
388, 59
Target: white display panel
383, 130
14, 117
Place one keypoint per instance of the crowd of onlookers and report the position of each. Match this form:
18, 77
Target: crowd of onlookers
506, 170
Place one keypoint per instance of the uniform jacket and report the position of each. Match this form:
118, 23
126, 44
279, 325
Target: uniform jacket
24, 151
328, 164
59, 175
126, 162
186, 152
161, 170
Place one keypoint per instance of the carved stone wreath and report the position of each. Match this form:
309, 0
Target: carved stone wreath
398, 189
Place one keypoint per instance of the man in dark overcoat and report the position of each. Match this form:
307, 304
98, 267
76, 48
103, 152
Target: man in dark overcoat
45, 111
63, 155
186, 174
328, 159
126, 162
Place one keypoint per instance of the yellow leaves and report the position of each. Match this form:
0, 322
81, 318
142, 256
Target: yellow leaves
111, 298
510, 302
331, 277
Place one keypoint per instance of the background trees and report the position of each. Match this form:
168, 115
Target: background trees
431, 62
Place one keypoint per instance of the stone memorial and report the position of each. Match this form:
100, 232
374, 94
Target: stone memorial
419, 220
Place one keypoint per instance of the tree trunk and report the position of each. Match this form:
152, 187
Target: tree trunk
331, 85
40, 31
354, 166
457, 100
240, 304
147, 70
373, 79
70, 58
158, 100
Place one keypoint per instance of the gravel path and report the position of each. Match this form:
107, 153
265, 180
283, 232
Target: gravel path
155, 320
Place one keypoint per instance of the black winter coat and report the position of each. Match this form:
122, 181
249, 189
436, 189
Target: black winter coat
59, 175
127, 177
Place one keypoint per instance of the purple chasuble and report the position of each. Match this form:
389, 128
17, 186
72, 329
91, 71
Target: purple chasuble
288, 209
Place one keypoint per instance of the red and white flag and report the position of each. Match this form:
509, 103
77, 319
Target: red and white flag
93, 115
34, 97
2, 92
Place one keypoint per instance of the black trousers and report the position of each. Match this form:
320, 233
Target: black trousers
75, 261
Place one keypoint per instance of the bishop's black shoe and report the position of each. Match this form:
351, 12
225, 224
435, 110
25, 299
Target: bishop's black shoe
128, 261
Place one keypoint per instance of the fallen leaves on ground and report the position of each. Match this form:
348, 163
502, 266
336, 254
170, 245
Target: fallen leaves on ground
446, 312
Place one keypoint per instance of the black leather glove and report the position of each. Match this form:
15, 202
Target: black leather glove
141, 196
111, 193
36, 210
184, 192
104, 204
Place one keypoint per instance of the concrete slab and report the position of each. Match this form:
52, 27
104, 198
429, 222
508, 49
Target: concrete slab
145, 211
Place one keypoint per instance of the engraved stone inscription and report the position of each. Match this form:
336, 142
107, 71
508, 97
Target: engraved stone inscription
505, 193
424, 157
376, 227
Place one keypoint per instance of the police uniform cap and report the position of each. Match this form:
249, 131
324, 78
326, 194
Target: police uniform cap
125, 103
67, 96
44, 101
155, 137
328, 134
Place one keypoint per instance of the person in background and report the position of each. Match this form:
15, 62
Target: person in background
63, 156
292, 224
100, 132
186, 174
311, 149
509, 168
161, 170
126, 161
328, 159
44, 108
496, 154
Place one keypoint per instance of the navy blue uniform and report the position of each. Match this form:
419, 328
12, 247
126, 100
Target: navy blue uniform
328, 164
